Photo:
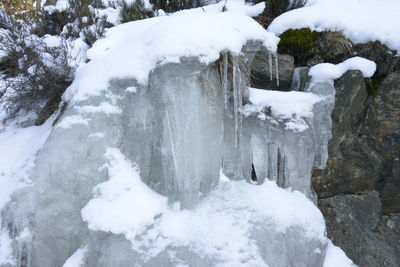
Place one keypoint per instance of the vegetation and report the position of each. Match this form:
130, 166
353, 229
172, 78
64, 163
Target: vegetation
300, 43
274, 8
134, 11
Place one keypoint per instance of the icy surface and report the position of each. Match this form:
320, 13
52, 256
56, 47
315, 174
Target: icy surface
18, 147
6, 256
360, 20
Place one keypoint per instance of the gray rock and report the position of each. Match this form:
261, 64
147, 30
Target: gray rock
351, 95
353, 166
382, 127
354, 224
261, 74
379, 53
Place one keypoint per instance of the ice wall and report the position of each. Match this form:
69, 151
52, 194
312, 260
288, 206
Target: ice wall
179, 130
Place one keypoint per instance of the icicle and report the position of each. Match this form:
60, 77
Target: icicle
171, 142
235, 96
296, 82
270, 65
225, 77
276, 70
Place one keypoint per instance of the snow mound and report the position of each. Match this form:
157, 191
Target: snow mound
76, 259
360, 20
327, 72
284, 104
135, 48
123, 204
291, 107
335, 257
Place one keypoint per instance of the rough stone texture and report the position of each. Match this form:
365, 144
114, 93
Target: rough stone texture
379, 53
351, 94
383, 130
359, 190
261, 75
353, 166
354, 223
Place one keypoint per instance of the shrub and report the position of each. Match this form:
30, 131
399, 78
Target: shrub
334, 47
134, 11
274, 8
34, 74
300, 43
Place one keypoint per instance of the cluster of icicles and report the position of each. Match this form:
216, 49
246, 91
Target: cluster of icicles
237, 85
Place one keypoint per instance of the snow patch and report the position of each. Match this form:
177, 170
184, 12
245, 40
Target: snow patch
123, 204
290, 106
76, 259
335, 257
327, 72
104, 107
69, 121
222, 223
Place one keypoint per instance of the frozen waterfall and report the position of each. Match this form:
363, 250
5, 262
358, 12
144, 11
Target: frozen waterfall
178, 131
163, 155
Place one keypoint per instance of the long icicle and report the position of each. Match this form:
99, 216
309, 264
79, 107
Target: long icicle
277, 70
270, 65
235, 97
225, 77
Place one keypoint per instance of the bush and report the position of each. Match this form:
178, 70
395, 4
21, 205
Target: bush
134, 11
334, 47
34, 74
170, 6
300, 43
274, 8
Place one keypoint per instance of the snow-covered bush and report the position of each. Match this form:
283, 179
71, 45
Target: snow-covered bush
134, 11
35, 71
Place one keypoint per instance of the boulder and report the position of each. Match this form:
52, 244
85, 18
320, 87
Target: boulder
354, 223
261, 72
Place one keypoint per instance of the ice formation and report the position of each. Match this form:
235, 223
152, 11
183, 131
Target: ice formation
130, 172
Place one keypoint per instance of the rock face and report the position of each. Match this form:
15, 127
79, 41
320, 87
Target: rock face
355, 223
265, 75
359, 190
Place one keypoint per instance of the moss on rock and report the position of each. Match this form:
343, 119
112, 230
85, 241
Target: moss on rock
300, 43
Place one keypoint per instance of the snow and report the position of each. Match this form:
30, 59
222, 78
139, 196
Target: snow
104, 107
111, 13
336, 257
123, 204
291, 107
327, 72
221, 224
284, 104
360, 20
76, 259
134, 49
69, 121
